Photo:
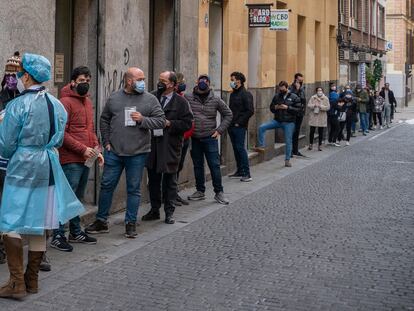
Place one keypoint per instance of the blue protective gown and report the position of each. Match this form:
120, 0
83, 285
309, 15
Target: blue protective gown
24, 139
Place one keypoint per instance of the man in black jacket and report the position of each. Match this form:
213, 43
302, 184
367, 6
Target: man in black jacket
298, 89
389, 97
285, 106
166, 147
241, 105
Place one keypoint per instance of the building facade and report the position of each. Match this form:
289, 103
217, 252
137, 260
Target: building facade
399, 30
191, 36
361, 38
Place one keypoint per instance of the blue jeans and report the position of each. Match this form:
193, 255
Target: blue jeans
77, 176
288, 129
238, 137
206, 147
363, 117
134, 169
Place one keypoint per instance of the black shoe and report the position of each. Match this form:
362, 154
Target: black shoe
82, 237
299, 154
169, 220
176, 203
151, 215
130, 230
98, 226
60, 243
235, 175
246, 178
45, 264
3, 257
181, 200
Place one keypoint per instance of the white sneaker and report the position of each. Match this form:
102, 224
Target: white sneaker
347, 143
337, 144
381, 127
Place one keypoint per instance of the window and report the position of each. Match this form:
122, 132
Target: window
374, 18
381, 22
354, 13
342, 11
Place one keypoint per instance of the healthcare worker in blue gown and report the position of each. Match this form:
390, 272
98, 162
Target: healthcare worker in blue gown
36, 195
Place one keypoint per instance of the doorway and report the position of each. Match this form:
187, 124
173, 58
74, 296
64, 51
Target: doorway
216, 46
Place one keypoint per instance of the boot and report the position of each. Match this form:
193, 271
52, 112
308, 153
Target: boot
15, 288
32, 271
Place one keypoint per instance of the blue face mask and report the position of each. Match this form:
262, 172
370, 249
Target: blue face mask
202, 85
181, 87
139, 86
233, 85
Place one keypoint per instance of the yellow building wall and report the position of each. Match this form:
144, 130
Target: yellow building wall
280, 51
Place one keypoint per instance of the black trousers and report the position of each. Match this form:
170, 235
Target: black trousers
312, 134
379, 116
333, 128
295, 139
162, 187
348, 124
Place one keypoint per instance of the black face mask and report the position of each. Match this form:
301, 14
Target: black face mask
161, 87
82, 88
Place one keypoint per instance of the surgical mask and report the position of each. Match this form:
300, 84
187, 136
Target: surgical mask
181, 87
320, 94
161, 87
82, 88
139, 86
202, 85
20, 85
233, 85
11, 82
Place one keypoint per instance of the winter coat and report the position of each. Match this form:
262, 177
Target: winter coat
241, 105
362, 100
80, 129
379, 104
302, 96
25, 140
165, 152
205, 113
318, 119
391, 97
294, 107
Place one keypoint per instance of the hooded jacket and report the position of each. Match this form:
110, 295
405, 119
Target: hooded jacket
80, 129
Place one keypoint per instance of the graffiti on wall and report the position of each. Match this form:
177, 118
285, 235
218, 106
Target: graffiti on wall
114, 80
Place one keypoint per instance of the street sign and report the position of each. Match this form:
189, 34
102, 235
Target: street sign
279, 20
259, 15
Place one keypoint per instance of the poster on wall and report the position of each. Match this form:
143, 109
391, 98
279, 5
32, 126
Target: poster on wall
279, 20
362, 75
259, 15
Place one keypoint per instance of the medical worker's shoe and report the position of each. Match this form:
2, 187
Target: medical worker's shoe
31, 276
98, 226
15, 287
82, 237
59, 242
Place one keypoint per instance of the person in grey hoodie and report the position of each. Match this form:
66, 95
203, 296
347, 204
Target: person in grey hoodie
204, 142
125, 125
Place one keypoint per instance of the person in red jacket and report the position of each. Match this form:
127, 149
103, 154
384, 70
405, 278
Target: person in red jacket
80, 143
181, 86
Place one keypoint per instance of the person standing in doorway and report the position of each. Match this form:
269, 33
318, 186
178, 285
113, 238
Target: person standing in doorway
298, 89
241, 105
79, 144
204, 143
166, 146
390, 103
128, 116
318, 105
285, 106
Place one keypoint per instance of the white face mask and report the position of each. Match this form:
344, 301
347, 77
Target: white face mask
20, 85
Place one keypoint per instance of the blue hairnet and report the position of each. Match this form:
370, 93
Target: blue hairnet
37, 66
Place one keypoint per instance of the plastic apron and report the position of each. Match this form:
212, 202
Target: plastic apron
24, 139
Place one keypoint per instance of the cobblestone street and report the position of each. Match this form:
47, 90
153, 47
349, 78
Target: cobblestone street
334, 235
